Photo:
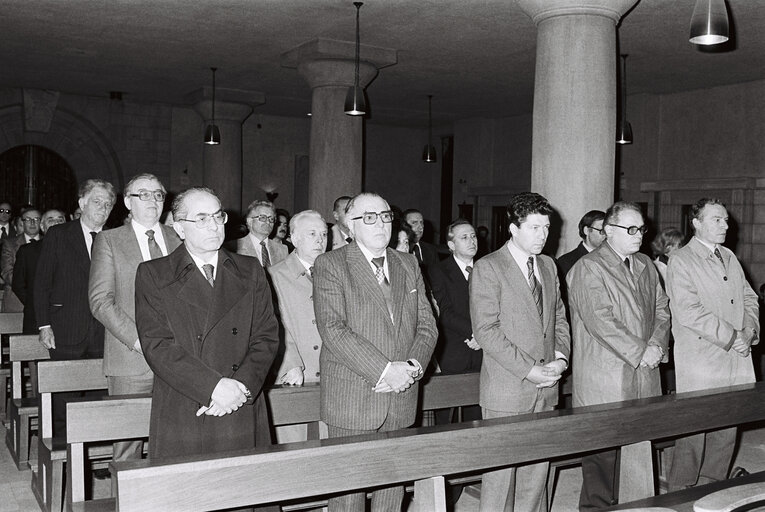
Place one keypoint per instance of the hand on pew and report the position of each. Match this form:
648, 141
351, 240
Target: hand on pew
294, 377
46, 337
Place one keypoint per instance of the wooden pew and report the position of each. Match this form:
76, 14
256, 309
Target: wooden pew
339, 465
10, 323
117, 418
23, 348
55, 377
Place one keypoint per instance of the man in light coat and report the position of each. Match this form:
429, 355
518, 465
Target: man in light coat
620, 321
714, 322
519, 321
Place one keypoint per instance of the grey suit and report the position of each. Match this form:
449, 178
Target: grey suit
276, 252
111, 294
361, 336
514, 338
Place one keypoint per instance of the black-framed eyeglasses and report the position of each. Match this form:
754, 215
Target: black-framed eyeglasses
599, 230
371, 217
148, 195
264, 218
4, 210
205, 220
632, 230
31, 220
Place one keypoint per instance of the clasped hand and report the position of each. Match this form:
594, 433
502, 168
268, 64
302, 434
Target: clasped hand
472, 343
742, 345
399, 377
228, 396
651, 357
546, 376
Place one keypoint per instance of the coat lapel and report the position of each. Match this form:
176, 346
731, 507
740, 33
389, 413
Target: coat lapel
397, 284
193, 289
548, 291
364, 278
79, 246
519, 282
229, 288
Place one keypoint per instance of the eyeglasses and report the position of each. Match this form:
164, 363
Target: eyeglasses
264, 218
632, 230
371, 217
31, 220
4, 210
148, 195
600, 230
205, 220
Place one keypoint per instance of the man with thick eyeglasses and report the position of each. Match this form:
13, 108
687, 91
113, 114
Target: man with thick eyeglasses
620, 323
31, 219
207, 328
261, 216
116, 256
6, 226
378, 334
715, 322
592, 235
66, 326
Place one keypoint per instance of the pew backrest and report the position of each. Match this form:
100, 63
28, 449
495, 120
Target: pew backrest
24, 348
11, 323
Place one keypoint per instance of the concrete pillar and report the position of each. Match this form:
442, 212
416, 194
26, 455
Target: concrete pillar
337, 145
222, 169
575, 106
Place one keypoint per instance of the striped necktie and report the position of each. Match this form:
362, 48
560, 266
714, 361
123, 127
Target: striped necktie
536, 286
265, 259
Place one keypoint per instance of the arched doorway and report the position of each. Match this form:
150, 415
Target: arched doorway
35, 175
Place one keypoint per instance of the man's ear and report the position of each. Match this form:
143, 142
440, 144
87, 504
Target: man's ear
179, 229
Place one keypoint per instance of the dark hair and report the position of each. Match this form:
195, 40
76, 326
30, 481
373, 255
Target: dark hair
450, 229
589, 219
398, 226
280, 212
613, 212
700, 204
180, 210
410, 210
527, 203
666, 238
336, 204
142, 176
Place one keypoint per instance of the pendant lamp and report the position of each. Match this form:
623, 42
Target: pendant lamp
429, 153
212, 133
355, 104
709, 23
624, 130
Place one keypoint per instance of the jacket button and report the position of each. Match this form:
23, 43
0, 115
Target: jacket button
316, 347
199, 337
234, 367
234, 331
725, 278
731, 301
318, 374
313, 321
542, 361
310, 297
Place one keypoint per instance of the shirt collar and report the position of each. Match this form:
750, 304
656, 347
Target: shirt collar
711, 247
462, 265
622, 257
520, 256
141, 230
199, 262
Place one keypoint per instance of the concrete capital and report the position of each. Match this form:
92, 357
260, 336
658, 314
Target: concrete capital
335, 72
325, 49
540, 10
224, 110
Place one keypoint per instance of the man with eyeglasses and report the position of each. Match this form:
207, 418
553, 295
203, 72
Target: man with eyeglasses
715, 322
6, 227
66, 326
25, 268
31, 219
378, 334
207, 328
592, 235
261, 216
620, 319
111, 290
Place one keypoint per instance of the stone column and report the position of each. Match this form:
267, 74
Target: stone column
222, 169
337, 145
575, 106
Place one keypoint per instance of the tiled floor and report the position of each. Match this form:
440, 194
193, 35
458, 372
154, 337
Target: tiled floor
16, 494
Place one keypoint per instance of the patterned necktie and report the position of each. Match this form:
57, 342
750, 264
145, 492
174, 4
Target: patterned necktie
469, 270
536, 287
209, 273
264, 258
380, 271
719, 256
154, 250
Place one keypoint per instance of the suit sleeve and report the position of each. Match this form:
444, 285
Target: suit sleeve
19, 284
44, 277
661, 318
562, 330
6, 259
589, 298
102, 293
356, 352
449, 317
181, 370
292, 358
426, 334
485, 300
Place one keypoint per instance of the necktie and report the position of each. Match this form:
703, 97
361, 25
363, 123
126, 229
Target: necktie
719, 256
32, 240
536, 287
469, 270
418, 253
348, 240
4, 235
265, 260
93, 235
208, 268
154, 250
310, 271
627, 262
380, 271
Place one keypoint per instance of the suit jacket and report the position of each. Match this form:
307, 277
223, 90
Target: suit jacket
615, 315
111, 292
336, 239
23, 280
567, 261
360, 338
61, 286
429, 254
709, 303
294, 291
450, 289
276, 252
192, 335
507, 325
8, 257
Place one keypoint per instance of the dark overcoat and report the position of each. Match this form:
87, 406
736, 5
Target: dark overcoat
192, 336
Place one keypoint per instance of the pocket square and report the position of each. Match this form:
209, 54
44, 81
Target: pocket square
412, 291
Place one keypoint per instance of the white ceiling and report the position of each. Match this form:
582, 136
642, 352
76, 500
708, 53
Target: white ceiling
475, 56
